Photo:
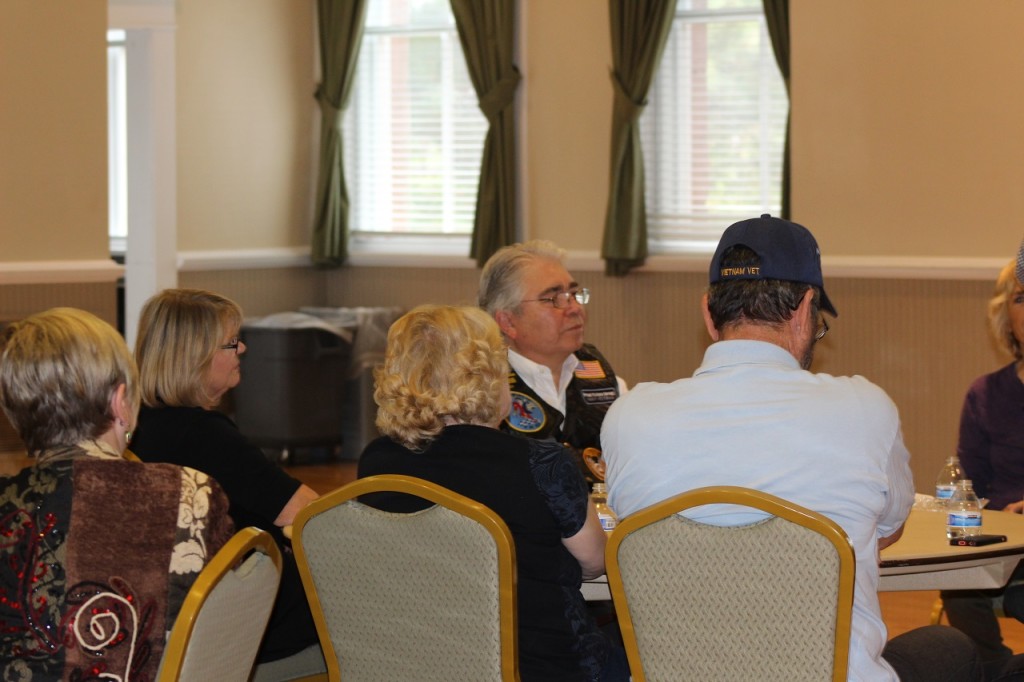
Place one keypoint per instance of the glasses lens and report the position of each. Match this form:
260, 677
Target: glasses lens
822, 330
582, 296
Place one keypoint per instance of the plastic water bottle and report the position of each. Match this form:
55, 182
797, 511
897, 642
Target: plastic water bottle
949, 478
599, 495
963, 516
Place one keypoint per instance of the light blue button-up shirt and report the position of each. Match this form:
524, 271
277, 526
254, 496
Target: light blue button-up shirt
750, 416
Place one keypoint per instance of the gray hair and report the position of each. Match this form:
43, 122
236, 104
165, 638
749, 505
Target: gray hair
59, 370
501, 285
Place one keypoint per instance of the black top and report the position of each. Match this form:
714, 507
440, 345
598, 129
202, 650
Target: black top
536, 489
210, 442
257, 489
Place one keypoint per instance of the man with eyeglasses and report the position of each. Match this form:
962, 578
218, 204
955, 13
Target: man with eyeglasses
561, 387
753, 415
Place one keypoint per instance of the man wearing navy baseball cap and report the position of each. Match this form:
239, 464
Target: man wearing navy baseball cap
753, 415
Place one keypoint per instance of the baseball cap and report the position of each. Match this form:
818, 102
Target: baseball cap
787, 251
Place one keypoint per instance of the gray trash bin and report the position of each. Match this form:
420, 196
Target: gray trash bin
292, 392
370, 328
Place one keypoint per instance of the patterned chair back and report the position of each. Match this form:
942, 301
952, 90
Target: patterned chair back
218, 631
767, 601
423, 596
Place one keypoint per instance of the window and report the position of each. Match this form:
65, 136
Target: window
715, 125
413, 133
117, 143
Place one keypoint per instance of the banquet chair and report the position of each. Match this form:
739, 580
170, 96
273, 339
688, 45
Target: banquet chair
428, 595
221, 623
766, 601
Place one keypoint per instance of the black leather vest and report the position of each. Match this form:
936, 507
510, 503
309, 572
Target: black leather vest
591, 391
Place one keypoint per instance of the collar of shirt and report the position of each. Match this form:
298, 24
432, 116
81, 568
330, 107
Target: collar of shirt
539, 378
745, 352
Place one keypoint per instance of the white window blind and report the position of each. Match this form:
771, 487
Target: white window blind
413, 133
714, 128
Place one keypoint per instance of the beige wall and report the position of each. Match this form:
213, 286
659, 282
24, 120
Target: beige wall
567, 96
906, 126
245, 123
53, 130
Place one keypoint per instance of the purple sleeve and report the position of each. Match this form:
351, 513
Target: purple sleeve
973, 447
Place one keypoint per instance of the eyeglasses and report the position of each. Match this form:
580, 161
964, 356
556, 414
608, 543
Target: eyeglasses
562, 298
232, 345
822, 330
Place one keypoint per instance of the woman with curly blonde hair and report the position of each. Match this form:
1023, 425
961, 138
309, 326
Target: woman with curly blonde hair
444, 365
441, 393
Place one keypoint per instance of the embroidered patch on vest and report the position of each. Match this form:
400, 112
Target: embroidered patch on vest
589, 369
598, 396
526, 414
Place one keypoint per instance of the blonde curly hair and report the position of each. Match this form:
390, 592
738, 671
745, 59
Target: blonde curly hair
999, 311
443, 364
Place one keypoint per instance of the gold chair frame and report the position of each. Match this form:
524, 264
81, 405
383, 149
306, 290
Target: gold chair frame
227, 559
443, 497
776, 507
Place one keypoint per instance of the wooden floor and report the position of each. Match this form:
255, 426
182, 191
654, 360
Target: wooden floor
324, 477
902, 611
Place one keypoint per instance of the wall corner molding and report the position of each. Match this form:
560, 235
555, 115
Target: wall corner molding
60, 272
854, 267
245, 259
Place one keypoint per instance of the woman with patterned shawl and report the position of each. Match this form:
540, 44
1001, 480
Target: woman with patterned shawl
96, 552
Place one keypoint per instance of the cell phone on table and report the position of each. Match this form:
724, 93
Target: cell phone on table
977, 540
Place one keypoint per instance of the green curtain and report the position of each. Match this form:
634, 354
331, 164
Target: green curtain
486, 31
640, 29
341, 32
776, 12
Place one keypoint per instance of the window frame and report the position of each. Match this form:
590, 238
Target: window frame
117, 142
367, 243
695, 231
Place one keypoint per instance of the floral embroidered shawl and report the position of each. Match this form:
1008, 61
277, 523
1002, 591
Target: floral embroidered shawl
96, 557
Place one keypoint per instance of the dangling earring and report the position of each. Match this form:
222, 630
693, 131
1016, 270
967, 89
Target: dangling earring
127, 433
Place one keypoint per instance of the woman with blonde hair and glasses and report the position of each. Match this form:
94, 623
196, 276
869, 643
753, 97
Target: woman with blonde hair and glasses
188, 355
441, 393
97, 553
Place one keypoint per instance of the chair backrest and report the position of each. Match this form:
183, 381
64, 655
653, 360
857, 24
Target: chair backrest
220, 626
766, 601
423, 596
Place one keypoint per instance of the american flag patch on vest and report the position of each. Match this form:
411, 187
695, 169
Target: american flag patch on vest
589, 369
